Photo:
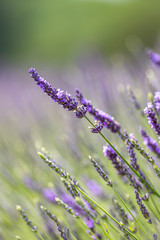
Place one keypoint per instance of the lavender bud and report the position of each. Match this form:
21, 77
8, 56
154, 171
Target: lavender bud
26, 219
62, 98
80, 111
150, 143
100, 170
142, 207
64, 231
98, 127
67, 207
152, 120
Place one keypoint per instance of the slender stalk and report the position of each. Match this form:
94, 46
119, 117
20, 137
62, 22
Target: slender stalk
119, 197
74, 238
109, 215
153, 211
88, 229
118, 153
154, 204
107, 234
41, 236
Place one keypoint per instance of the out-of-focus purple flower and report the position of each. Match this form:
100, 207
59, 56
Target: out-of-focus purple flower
63, 98
155, 236
120, 166
89, 222
94, 187
49, 194
150, 142
157, 101
155, 57
133, 98
105, 119
71, 202
152, 120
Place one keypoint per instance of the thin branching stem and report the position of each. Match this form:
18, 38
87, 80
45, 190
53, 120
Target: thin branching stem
118, 153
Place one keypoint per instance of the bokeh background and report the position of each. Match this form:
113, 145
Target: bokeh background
57, 31
97, 46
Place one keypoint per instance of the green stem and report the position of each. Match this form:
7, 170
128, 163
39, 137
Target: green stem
119, 197
107, 234
88, 228
154, 204
153, 211
73, 236
133, 170
81, 191
40, 236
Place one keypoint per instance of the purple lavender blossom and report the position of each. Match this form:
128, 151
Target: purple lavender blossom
89, 222
57, 95
142, 208
132, 154
81, 111
49, 194
105, 119
98, 127
120, 166
157, 101
155, 57
102, 173
150, 143
152, 120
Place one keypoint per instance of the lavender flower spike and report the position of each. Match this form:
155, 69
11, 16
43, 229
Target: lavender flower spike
152, 120
59, 96
103, 118
150, 143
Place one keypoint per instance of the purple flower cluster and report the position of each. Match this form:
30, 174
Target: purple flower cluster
105, 119
157, 101
150, 142
59, 96
152, 120
101, 172
119, 165
155, 57
142, 208
131, 151
98, 127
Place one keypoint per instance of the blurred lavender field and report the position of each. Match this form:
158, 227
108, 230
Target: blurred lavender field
30, 120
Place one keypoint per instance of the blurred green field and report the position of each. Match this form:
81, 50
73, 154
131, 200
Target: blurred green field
59, 30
